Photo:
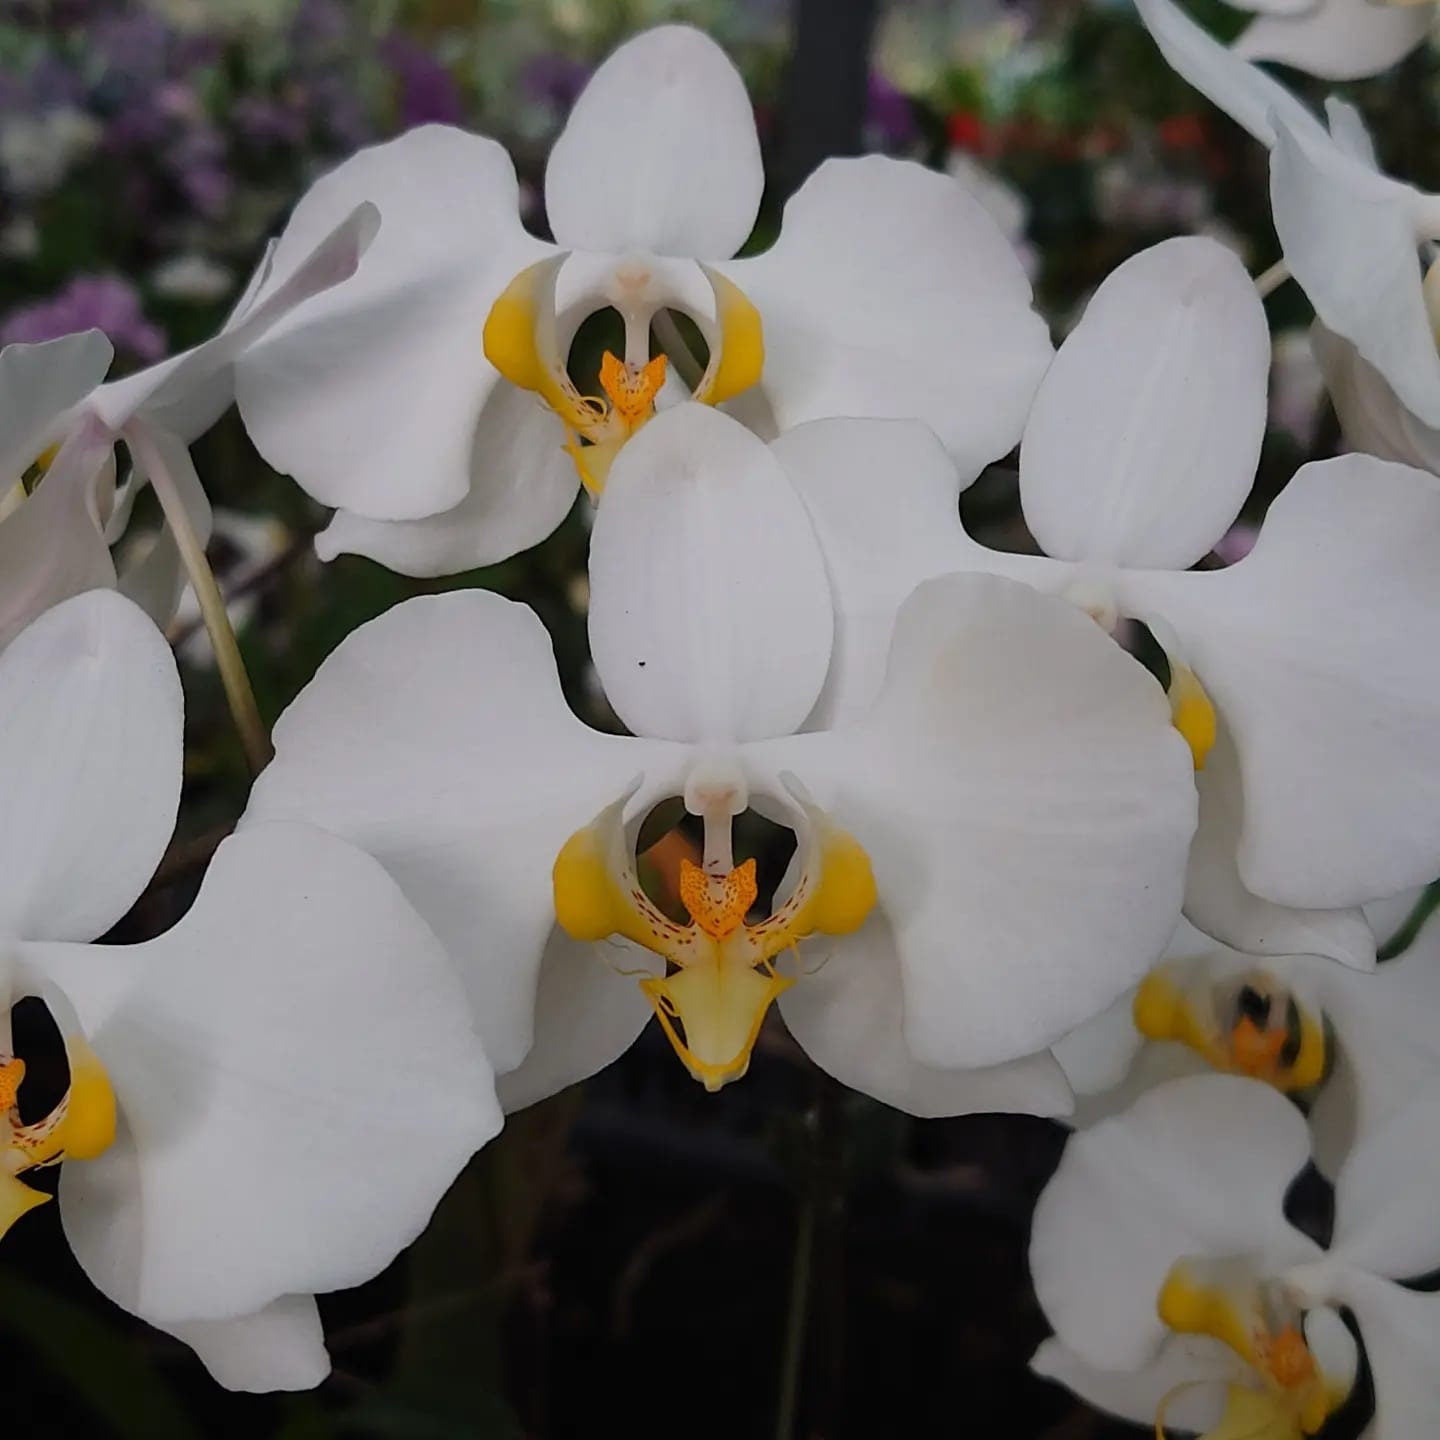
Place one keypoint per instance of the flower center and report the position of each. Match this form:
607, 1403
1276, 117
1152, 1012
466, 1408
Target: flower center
720, 968
80, 1127
522, 341
1287, 1396
1255, 1028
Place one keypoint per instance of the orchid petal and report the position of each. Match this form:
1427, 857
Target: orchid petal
370, 393
1350, 239
883, 498
992, 826
1401, 1330
39, 384
1097, 1054
659, 154
281, 1347
52, 546
1307, 648
524, 485
1371, 414
1196, 1168
1385, 1219
187, 393
1349, 131
1193, 1369
90, 712
316, 1036
1218, 902
891, 294
589, 1010
710, 613
1243, 91
846, 1013
1338, 39
1145, 435
437, 739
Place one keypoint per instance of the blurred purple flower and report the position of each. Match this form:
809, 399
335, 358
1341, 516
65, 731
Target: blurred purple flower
51, 84
89, 302
889, 118
339, 111
428, 92
320, 25
555, 80
133, 49
267, 123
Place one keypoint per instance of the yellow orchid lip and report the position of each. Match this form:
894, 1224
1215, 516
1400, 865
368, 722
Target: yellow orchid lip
1288, 1396
521, 340
720, 978
80, 1127
1260, 1031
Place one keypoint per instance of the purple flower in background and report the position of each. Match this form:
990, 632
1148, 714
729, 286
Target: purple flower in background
267, 123
134, 50
320, 25
428, 92
889, 118
339, 112
197, 159
89, 302
555, 80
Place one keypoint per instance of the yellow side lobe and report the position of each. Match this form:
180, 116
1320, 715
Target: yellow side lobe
1191, 712
589, 904
1191, 1308
88, 1128
510, 335
740, 343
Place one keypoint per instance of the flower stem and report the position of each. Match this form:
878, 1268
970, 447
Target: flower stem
797, 1320
1404, 937
1268, 281
239, 693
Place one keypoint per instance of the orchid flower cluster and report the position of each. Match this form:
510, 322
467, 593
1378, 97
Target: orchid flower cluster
1005, 775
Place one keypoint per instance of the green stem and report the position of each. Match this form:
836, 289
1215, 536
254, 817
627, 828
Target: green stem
239, 693
797, 1319
1404, 937
1268, 281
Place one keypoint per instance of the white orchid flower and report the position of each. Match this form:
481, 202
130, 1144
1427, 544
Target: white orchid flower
1163, 1258
241, 1086
1352, 1046
1017, 778
890, 292
1372, 416
1351, 235
60, 420
1335, 39
1320, 786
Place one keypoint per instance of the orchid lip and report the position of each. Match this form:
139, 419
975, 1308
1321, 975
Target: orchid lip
1256, 1028
721, 976
1287, 1392
522, 341
80, 1126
